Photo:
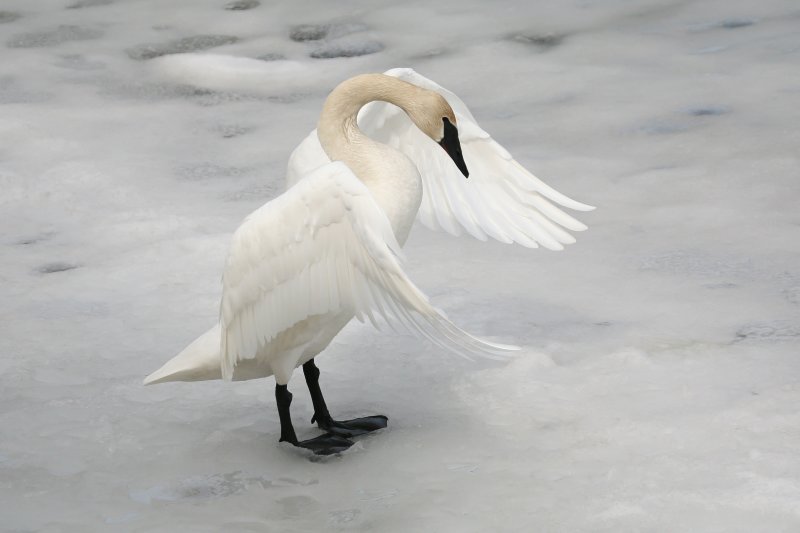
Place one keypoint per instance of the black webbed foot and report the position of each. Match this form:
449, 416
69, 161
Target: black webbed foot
351, 428
323, 418
326, 444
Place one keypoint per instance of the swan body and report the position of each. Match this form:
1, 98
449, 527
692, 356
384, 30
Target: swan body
329, 248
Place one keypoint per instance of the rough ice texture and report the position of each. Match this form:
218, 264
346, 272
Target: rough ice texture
58, 35
544, 41
658, 385
56, 266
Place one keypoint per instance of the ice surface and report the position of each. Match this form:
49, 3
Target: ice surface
658, 386
59, 35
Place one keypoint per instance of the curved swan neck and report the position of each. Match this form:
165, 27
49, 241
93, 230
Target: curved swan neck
338, 130
391, 177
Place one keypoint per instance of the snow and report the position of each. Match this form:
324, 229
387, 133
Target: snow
658, 385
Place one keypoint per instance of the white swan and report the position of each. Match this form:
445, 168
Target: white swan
328, 249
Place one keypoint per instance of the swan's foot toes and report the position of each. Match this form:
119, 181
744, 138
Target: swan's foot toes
354, 427
326, 444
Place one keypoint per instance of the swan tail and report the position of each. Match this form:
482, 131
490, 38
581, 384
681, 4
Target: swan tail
199, 361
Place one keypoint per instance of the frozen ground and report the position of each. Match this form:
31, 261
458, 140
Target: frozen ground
658, 389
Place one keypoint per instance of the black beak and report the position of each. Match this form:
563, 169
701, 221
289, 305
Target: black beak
453, 148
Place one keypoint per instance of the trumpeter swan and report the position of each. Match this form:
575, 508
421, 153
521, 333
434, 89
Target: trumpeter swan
328, 249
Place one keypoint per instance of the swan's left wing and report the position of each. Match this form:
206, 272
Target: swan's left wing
324, 246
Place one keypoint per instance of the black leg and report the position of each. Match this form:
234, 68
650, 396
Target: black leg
311, 372
323, 418
322, 445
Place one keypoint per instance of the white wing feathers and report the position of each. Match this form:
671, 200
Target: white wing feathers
335, 252
500, 199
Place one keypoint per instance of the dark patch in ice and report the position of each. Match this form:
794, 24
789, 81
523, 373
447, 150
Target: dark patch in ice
56, 266
206, 170
707, 111
89, 3
315, 32
732, 24
308, 32
271, 57
59, 35
242, 5
9, 16
180, 46
347, 49
543, 42
725, 24
775, 331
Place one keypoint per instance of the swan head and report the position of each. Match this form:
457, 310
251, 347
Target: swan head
436, 119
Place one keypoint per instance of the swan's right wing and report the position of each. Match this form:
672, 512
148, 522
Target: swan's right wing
501, 199
323, 246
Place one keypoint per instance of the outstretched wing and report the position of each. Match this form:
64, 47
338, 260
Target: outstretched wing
501, 199
323, 246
